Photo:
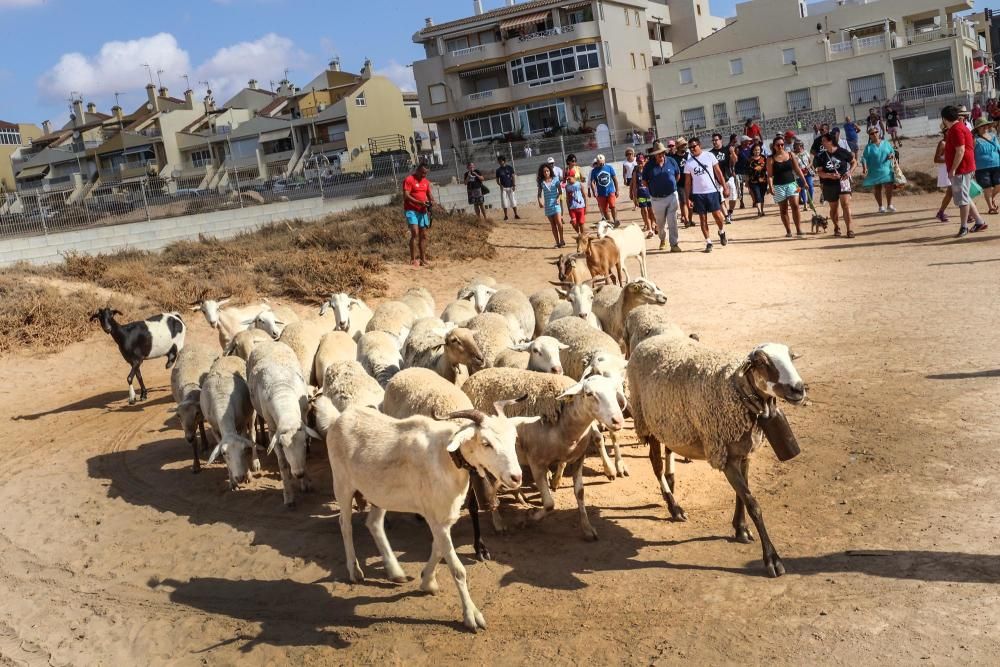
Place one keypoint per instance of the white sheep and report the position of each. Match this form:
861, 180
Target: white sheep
645, 322
515, 307
417, 465
444, 348
351, 315
708, 405
278, 393
393, 317
273, 320
543, 302
492, 335
243, 343
227, 321
420, 301
378, 353
420, 391
459, 312
347, 384
613, 304
478, 293
631, 242
225, 402
186, 378
579, 302
541, 354
561, 412
333, 346
304, 338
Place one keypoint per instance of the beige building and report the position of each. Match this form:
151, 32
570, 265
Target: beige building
525, 69
426, 142
14, 137
779, 57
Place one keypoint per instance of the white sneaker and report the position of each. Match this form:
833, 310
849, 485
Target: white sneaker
881, 209
891, 208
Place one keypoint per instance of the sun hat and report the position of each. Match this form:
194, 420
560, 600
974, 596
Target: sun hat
982, 122
656, 149
962, 111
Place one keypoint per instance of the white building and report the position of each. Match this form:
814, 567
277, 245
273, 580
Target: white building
426, 142
782, 57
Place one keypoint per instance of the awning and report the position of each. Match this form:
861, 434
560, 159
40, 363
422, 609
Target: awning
136, 150
483, 70
33, 172
274, 135
575, 5
528, 19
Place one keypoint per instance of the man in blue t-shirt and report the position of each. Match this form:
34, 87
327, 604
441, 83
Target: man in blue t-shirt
851, 130
660, 175
605, 183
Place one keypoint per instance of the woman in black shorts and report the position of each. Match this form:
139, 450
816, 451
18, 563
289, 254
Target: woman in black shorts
834, 166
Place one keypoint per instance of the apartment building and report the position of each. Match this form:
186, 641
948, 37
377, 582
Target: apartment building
426, 143
530, 68
14, 137
779, 57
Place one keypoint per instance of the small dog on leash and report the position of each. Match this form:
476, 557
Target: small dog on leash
817, 222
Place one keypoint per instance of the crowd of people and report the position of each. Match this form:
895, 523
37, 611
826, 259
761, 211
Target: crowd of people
678, 179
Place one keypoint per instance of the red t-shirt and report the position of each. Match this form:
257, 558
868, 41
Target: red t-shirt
419, 190
959, 135
754, 131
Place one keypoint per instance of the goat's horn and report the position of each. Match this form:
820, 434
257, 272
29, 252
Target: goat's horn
473, 415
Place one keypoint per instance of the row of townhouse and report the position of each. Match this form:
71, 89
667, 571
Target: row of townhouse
339, 121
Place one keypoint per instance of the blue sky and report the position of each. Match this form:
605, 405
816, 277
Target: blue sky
51, 48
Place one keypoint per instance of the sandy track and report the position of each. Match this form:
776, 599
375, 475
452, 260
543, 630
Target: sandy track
112, 552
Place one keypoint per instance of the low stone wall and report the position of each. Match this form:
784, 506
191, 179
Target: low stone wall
156, 234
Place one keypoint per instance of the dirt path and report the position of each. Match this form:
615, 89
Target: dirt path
112, 552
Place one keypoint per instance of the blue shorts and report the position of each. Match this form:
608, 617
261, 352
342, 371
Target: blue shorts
706, 203
421, 220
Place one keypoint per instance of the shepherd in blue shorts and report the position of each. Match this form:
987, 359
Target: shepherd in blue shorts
417, 203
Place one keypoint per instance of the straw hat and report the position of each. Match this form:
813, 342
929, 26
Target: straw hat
656, 149
982, 122
962, 111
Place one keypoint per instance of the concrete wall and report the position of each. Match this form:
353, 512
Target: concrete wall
157, 234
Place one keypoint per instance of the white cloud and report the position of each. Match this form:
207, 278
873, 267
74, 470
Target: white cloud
118, 66
399, 74
263, 59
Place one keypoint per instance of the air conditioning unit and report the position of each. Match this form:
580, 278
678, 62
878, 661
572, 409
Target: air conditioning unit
321, 108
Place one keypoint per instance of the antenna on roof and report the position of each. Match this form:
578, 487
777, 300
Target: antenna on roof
149, 72
187, 82
158, 81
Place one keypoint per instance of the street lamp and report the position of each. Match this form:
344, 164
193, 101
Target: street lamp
659, 34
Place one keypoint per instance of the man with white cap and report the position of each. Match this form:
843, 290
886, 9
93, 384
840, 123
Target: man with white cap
605, 183
556, 169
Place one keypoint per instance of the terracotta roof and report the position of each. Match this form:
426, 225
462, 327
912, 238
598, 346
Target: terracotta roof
7, 126
272, 106
486, 16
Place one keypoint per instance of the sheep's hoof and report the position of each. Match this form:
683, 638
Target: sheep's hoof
305, 485
677, 513
610, 474
622, 470
482, 553
590, 535
195, 470
430, 587
474, 620
744, 536
775, 568
356, 574
399, 579
131, 401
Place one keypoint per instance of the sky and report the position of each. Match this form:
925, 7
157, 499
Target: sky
52, 48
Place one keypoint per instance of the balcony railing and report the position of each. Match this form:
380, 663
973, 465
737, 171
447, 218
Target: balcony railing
941, 89
481, 95
468, 50
873, 43
551, 32
840, 47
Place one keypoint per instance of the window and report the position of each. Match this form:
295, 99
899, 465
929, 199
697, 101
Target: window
652, 31
413, 112
607, 54
10, 137
644, 64
698, 7
456, 44
748, 108
798, 100
359, 101
686, 76
545, 116
201, 158
582, 15
628, 17
632, 55
559, 65
736, 66
787, 56
867, 89
484, 128
693, 119
438, 93
636, 15
719, 114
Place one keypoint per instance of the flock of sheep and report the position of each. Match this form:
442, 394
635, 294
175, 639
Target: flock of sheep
413, 407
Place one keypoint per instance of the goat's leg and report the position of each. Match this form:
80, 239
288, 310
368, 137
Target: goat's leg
656, 459
172, 356
131, 378
734, 473
472, 504
620, 466
548, 503
142, 385
743, 534
623, 270
588, 530
598, 437
642, 263
287, 486
428, 578
557, 476
204, 440
196, 465
344, 496
471, 615
376, 517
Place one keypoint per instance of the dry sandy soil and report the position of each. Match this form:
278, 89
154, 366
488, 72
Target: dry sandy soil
112, 552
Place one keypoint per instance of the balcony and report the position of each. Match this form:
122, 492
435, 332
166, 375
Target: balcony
587, 78
474, 55
486, 98
280, 156
539, 41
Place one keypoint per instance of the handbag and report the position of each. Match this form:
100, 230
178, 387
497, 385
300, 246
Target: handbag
898, 178
974, 189
485, 189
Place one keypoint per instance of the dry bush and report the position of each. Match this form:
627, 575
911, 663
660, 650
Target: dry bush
40, 317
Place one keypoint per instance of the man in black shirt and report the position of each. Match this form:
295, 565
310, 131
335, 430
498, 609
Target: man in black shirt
726, 155
834, 166
507, 182
891, 117
817, 144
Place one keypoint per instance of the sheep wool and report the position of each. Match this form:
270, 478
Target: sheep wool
334, 346
543, 302
347, 384
244, 342
648, 321
459, 312
517, 309
492, 335
498, 384
423, 343
378, 353
392, 317
421, 391
584, 343
683, 394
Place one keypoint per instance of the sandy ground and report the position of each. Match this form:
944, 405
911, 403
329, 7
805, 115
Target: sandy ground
112, 552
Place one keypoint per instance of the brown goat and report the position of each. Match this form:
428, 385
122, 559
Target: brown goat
602, 255
566, 266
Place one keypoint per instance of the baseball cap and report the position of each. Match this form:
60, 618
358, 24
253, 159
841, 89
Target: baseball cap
551, 160
745, 138
600, 157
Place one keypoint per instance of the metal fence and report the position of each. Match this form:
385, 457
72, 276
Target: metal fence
70, 204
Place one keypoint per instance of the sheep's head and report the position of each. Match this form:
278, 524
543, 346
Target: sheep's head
237, 452
582, 299
189, 412
772, 373
479, 295
606, 365
210, 309
642, 291
602, 397
544, 354
461, 347
268, 322
341, 304
293, 446
106, 317
487, 443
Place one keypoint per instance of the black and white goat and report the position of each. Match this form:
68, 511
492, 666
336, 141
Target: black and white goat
160, 335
